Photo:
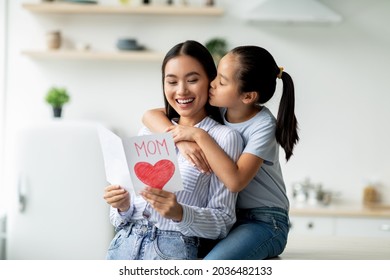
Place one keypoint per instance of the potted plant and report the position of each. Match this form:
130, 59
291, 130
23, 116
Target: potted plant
217, 47
57, 97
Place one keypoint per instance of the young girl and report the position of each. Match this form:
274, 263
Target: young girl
246, 80
164, 225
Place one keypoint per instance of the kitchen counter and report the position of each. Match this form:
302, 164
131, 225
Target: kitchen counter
338, 231
301, 247
342, 210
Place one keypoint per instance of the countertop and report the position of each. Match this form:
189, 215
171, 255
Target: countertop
342, 210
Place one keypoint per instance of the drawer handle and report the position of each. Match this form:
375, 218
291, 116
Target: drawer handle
385, 227
22, 193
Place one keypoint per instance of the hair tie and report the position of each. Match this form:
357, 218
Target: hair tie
280, 72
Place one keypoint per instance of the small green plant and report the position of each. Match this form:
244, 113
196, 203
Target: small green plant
217, 47
57, 97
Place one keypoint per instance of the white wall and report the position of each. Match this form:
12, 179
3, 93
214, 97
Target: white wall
3, 24
339, 70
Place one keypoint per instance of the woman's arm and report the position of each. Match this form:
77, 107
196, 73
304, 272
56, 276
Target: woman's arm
235, 176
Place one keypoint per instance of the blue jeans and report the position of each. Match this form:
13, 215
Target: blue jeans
259, 233
144, 241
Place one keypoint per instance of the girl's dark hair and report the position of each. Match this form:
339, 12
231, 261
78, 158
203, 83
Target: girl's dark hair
199, 52
258, 71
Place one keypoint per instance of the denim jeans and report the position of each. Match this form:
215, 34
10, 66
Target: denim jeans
144, 241
259, 233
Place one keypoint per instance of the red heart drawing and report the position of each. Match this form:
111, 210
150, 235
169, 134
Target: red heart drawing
155, 176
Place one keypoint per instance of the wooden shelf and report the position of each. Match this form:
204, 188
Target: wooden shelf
95, 55
88, 9
74, 8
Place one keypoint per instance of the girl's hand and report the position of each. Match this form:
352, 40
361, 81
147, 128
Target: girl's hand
164, 203
117, 197
183, 137
183, 132
193, 153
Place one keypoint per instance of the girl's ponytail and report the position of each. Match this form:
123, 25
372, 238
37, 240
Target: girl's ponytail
286, 122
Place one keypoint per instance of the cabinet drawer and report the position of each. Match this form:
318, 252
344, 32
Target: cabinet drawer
362, 227
312, 225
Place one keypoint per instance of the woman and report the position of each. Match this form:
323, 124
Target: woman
162, 225
246, 80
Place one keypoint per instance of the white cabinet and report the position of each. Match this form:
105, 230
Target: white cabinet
56, 209
372, 227
312, 225
340, 221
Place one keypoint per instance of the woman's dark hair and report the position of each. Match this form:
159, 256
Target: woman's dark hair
202, 55
258, 71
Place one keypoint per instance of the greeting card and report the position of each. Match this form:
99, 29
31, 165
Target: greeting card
140, 161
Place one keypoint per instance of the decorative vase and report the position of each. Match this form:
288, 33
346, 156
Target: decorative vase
57, 111
53, 40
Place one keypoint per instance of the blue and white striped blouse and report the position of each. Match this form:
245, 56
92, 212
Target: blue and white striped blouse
208, 206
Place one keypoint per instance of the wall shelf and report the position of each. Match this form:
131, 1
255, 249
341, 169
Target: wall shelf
88, 9
73, 8
95, 55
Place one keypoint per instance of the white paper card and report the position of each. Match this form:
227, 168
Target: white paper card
115, 163
140, 161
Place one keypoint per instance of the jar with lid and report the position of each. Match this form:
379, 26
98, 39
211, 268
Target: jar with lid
370, 195
53, 40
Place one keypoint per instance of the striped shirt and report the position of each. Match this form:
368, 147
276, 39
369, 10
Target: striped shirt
208, 206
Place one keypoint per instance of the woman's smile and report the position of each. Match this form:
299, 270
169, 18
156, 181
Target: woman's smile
185, 101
